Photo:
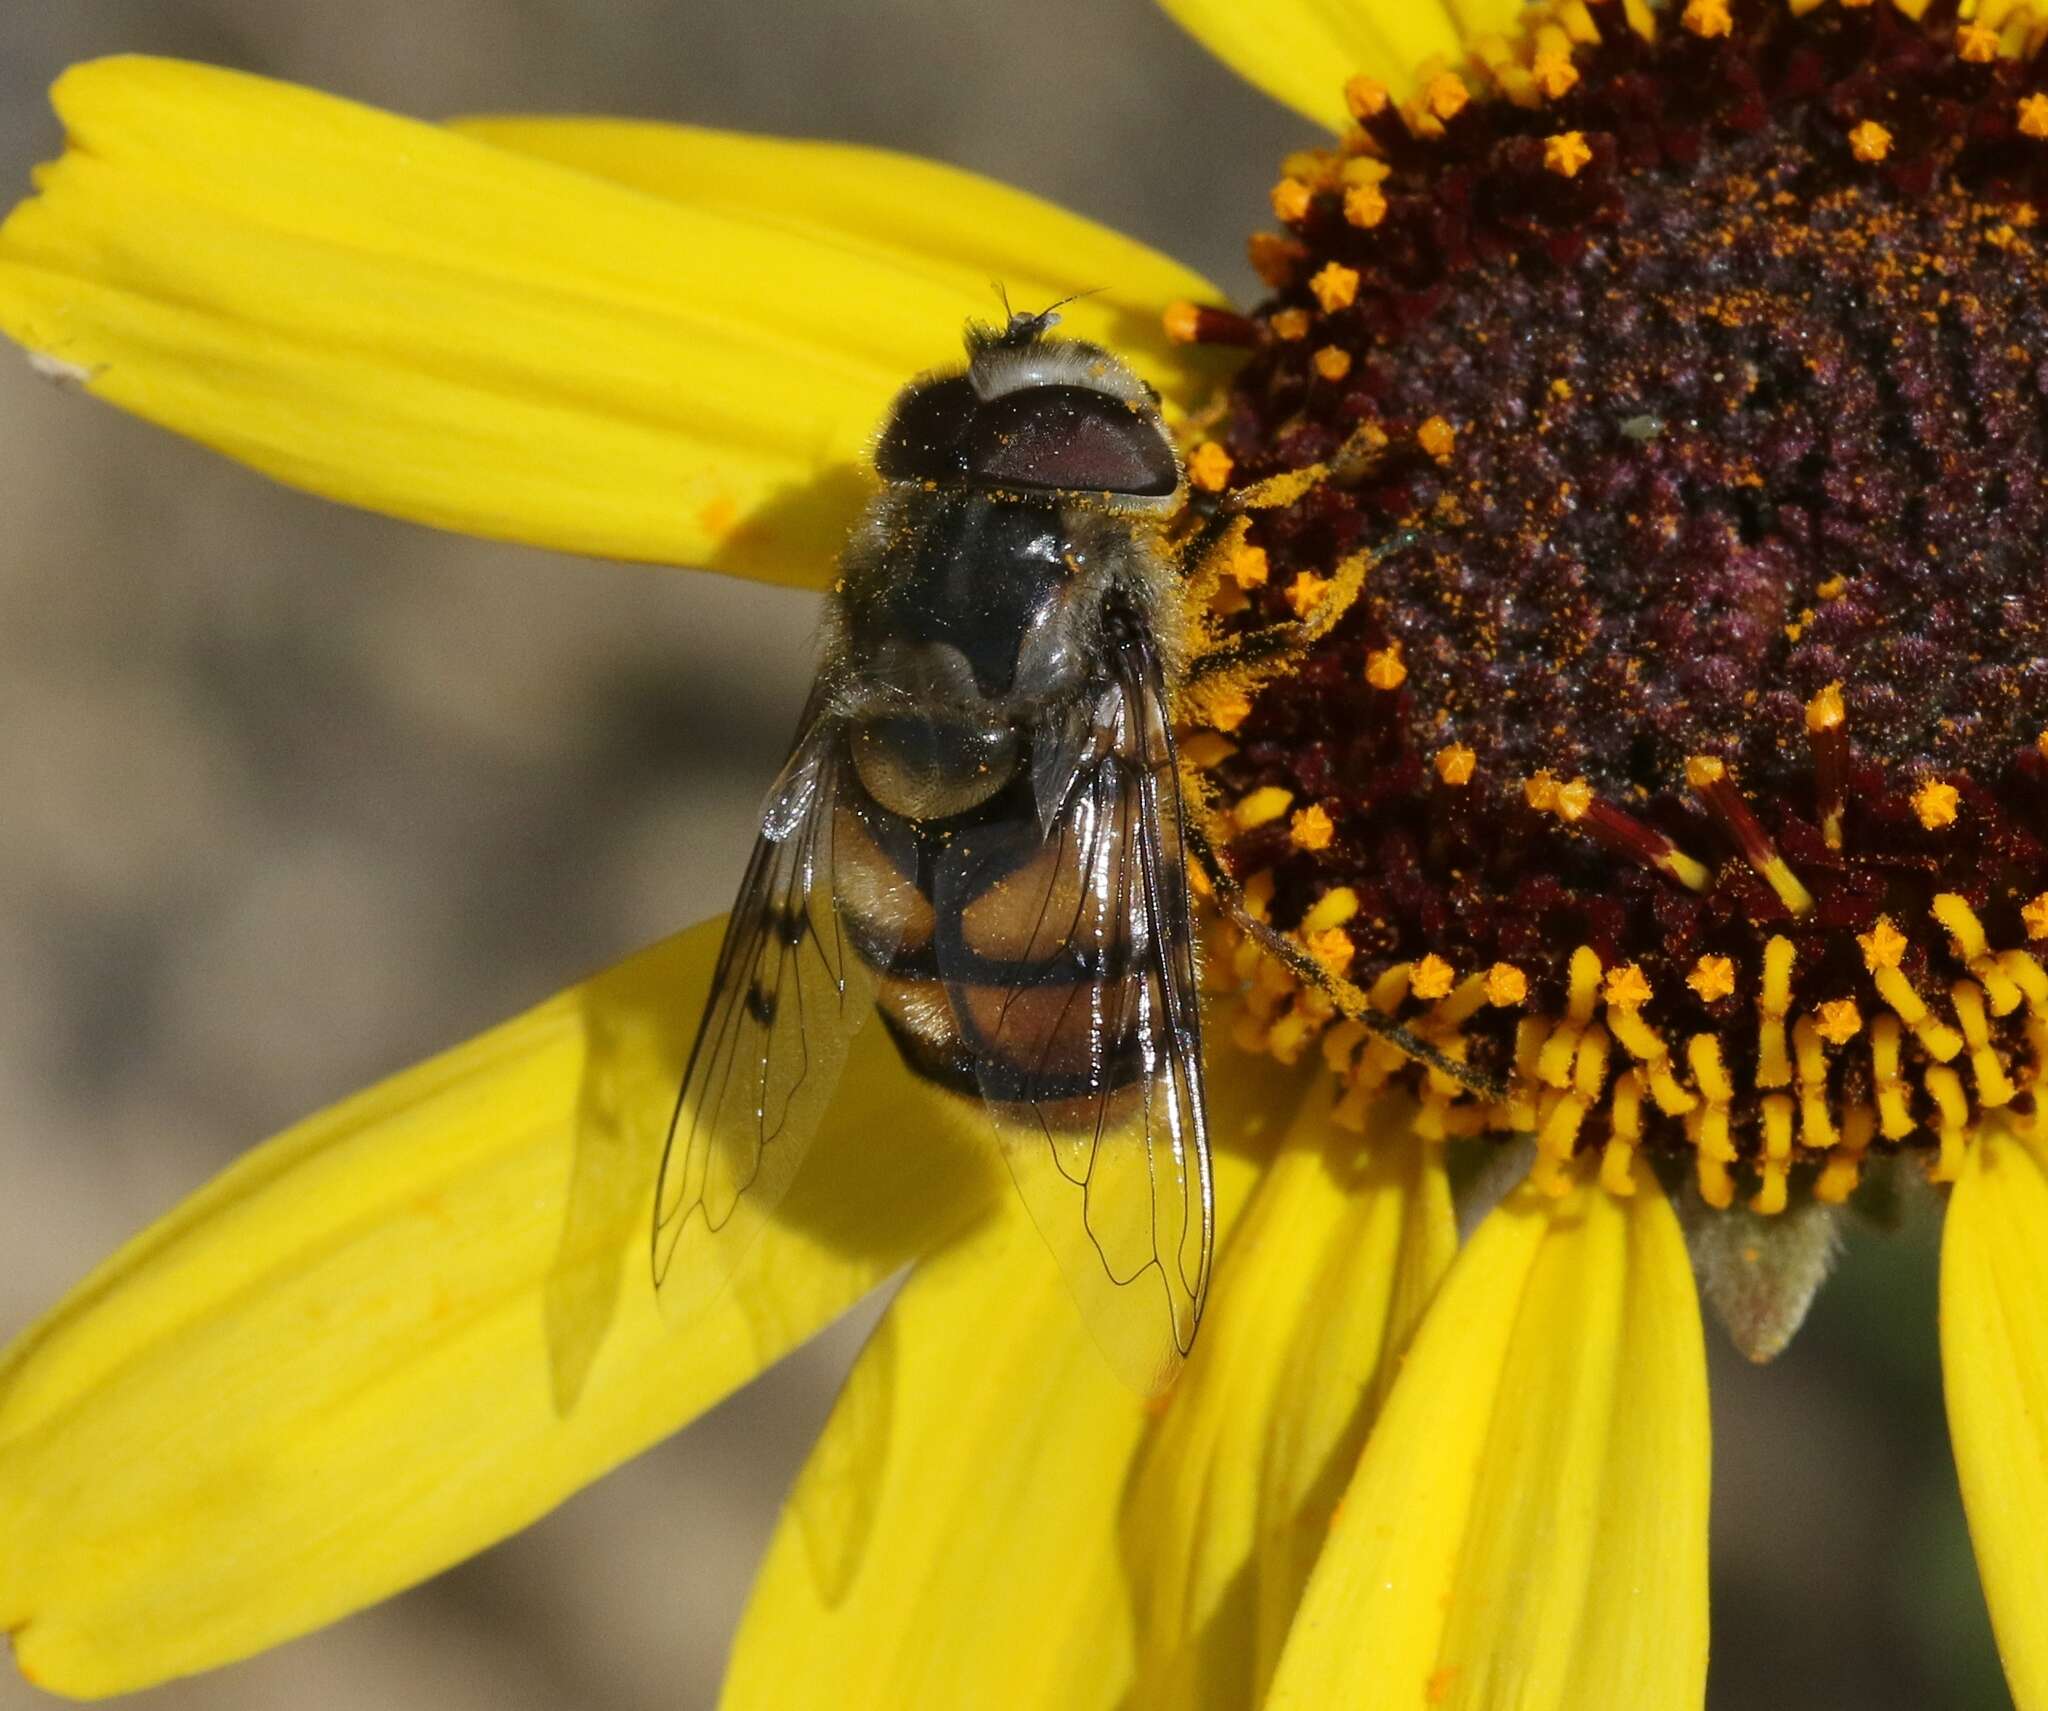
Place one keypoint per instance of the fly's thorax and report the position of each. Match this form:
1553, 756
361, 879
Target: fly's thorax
926, 768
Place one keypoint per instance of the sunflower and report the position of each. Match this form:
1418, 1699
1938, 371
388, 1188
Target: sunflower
1674, 382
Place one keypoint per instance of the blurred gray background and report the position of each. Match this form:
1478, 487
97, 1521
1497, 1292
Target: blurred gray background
295, 796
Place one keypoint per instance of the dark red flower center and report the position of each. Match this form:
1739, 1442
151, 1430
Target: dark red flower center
1681, 760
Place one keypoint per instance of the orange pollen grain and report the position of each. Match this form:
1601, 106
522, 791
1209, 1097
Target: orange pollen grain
1882, 946
1183, 322
1703, 770
1446, 95
1712, 977
1839, 1022
1565, 153
1305, 593
1627, 987
1312, 828
1332, 362
1367, 97
1273, 257
1825, 712
1554, 73
1707, 18
1209, 466
1335, 286
1291, 324
1437, 437
1976, 44
1455, 763
1870, 142
1383, 667
1540, 791
1332, 947
1433, 978
1364, 205
2033, 115
1506, 985
1248, 565
1935, 804
1226, 709
2035, 917
1573, 800
1291, 199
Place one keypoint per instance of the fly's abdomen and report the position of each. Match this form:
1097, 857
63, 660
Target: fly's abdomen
1010, 972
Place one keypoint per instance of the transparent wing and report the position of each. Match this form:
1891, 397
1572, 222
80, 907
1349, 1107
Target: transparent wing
823, 895
1066, 946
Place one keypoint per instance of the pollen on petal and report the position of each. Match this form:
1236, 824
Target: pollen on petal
1869, 141
1565, 153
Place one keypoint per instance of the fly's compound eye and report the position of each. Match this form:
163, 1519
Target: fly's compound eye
922, 439
1069, 438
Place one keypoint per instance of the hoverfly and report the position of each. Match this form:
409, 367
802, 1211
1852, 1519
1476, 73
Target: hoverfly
979, 833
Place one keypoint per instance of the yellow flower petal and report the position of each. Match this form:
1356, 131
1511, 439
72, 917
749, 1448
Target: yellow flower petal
1528, 1525
954, 1539
1994, 1358
1316, 1298
408, 1327
1302, 52
403, 318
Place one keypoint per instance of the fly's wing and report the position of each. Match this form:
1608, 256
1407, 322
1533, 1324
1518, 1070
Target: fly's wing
791, 989
1065, 942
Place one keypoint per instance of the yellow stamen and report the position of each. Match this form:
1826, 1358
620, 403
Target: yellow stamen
2033, 116
1332, 948
1312, 828
1291, 199
1383, 667
1335, 286
1182, 321
1840, 1021
1882, 946
1432, 977
1565, 153
1248, 565
1209, 466
1367, 97
1934, 803
1976, 44
1506, 985
1365, 206
1712, 977
1332, 362
2034, 916
1870, 142
1707, 17
1627, 986
1446, 96
1262, 807
1291, 324
1438, 438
